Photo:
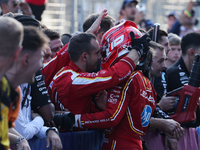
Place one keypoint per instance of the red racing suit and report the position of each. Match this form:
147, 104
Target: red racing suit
73, 89
60, 60
129, 109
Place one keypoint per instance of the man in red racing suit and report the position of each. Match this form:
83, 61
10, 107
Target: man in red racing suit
129, 109
72, 88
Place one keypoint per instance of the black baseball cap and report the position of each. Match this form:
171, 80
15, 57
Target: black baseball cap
127, 2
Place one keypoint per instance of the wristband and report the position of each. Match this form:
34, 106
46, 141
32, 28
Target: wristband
54, 129
187, 13
20, 139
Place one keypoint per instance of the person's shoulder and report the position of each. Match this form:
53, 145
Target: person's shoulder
172, 69
138, 76
5, 86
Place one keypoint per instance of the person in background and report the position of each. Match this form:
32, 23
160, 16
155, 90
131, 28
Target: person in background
128, 10
178, 75
23, 71
37, 7
186, 22
15, 6
160, 82
175, 49
171, 18
55, 41
10, 30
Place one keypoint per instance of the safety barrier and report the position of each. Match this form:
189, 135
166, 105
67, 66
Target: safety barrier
83, 140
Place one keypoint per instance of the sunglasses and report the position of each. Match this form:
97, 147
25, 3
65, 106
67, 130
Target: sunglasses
15, 3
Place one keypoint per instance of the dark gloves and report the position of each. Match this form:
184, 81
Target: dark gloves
64, 121
141, 44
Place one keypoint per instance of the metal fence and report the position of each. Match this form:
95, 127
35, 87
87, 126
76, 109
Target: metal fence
67, 16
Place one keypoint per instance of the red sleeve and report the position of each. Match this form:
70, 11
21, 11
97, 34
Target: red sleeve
117, 101
93, 109
89, 83
60, 60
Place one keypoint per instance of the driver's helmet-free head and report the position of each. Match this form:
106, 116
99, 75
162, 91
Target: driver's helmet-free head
116, 43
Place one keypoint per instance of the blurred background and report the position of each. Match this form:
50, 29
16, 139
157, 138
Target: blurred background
67, 16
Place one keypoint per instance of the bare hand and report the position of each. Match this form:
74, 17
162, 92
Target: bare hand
178, 133
167, 103
24, 145
33, 115
182, 18
96, 25
25, 8
171, 143
54, 138
190, 5
171, 127
101, 99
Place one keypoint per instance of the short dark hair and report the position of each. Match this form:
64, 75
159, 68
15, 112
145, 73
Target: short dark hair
190, 40
65, 38
161, 33
25, 20
52, 34
33, 39
105, 25
155, 45
127, 2
79, 44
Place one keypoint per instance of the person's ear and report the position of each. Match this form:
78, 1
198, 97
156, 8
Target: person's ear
25, 59
84, 57
122, 12
191, 52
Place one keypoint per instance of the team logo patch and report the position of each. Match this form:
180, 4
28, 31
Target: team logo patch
50, 85
146, 115
112, 100
163, 76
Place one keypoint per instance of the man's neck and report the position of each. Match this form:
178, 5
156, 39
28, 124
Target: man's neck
187, 62
3, 67
81, 66
14, 78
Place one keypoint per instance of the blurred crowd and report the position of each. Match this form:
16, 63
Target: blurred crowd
115, 76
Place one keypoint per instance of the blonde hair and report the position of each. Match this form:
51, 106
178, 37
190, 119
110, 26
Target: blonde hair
11, 35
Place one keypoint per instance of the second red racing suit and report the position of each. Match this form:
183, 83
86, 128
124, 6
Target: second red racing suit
129, 109
60, 60
72, 88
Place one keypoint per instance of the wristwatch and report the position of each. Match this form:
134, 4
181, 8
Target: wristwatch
52, 128
20, 139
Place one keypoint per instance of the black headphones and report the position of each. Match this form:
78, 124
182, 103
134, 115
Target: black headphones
85, 57
27, 61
